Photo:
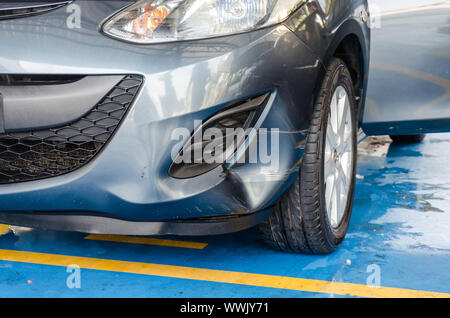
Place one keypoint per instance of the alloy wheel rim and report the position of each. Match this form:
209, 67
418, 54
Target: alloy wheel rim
338, 159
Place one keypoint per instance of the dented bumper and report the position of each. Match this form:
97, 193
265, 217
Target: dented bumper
182, 82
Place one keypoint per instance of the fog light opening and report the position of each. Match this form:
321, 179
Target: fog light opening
217, 139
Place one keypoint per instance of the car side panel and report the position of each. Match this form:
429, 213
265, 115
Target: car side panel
409, 83
329, 22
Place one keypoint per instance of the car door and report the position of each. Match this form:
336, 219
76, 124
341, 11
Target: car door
409, 81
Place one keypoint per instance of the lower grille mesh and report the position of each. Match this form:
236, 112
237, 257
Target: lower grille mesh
33, 155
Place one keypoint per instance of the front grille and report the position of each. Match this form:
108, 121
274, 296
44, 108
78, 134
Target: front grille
39, 154
21, 9
21, 80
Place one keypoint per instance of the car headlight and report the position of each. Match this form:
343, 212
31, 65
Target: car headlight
154, 21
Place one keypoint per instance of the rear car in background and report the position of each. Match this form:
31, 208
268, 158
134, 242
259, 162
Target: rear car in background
189, 117
408, 93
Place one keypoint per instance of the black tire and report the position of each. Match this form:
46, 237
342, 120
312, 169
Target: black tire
407, 139
298, 222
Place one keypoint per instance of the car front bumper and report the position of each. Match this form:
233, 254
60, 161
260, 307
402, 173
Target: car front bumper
183, 82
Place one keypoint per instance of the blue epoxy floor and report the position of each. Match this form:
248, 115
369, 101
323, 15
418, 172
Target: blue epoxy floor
400, 222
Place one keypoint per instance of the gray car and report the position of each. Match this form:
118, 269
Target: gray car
190, 117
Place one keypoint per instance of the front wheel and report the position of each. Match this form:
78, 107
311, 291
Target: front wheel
312, 217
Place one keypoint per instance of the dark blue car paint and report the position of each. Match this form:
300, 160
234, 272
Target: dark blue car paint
184, 81
131, 180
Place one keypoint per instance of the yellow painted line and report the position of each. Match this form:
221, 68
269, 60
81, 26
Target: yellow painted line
218, 276
439, 81
4, 229
443, 53
146, 241
301, 143
297, 164
373, 108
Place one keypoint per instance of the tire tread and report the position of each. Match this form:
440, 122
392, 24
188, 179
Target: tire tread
295, 224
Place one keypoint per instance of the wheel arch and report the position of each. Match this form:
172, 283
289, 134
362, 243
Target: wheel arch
351, 43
